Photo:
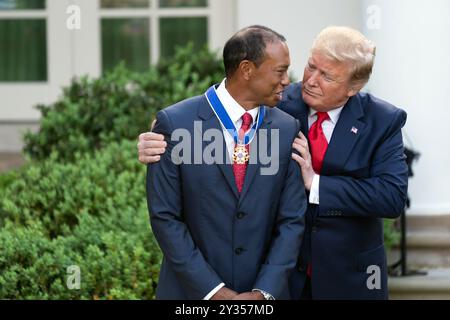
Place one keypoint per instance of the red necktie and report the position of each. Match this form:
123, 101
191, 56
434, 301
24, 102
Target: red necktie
318, 145
240, 169
318, 142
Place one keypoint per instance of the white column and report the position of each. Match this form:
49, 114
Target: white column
412, 71
86, 41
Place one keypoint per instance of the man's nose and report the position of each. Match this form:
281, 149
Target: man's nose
312, 80
285, 81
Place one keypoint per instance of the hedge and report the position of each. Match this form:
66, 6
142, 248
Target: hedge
91, 213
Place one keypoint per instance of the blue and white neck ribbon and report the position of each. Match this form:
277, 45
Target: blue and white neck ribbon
226, 121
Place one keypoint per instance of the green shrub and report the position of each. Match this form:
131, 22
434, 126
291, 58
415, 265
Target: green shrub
94, 112
391, 234
6, 178
91, 213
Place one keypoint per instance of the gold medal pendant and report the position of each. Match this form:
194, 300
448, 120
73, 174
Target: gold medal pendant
240, 155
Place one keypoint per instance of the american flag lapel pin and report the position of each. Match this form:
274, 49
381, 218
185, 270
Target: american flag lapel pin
354, 130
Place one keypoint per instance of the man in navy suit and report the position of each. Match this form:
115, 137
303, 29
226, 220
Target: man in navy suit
353, 167
229, 229
351, 156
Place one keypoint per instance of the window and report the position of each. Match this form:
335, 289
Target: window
23, 41
182, 3
139, 32
124, 3
180, 31
125, 39
21, 4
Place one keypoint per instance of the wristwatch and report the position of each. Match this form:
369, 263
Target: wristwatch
266, 295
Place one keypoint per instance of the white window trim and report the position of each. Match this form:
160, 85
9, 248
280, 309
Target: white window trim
153, 13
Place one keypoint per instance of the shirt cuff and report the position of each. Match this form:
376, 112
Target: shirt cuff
314, 192
214, 291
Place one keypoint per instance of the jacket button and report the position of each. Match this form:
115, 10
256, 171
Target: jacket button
240, 215
238, 251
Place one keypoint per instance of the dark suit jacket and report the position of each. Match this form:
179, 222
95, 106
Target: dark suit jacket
363, 180
207, 232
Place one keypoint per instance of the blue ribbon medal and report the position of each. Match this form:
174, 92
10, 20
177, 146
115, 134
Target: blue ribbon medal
240, 155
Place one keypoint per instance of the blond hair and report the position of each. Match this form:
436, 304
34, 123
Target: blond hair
345, 44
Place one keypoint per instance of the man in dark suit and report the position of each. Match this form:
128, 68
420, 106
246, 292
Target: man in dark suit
352, 165
228, 230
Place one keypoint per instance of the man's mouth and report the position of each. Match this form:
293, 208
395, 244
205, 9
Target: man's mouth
310, 92
279, 94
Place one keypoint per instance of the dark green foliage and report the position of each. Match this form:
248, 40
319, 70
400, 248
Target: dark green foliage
91, 213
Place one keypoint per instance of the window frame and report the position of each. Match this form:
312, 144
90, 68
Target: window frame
73, 53
154, 13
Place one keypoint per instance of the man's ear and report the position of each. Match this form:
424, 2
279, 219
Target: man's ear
246, 68
354, 89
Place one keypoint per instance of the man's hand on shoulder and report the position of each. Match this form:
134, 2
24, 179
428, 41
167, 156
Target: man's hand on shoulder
304, 159
150, 147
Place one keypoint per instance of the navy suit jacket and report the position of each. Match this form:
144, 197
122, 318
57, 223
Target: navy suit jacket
363, 180
209, 233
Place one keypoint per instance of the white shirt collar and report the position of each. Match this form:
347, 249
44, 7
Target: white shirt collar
333, 114
232, 107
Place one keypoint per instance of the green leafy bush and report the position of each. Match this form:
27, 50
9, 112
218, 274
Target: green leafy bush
94, 112
391, 234
90, 213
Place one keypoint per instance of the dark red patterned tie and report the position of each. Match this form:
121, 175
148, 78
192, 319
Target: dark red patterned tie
240, 169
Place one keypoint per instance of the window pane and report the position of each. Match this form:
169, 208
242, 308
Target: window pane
22, 4
182, 3
180, 31
23, 50
125, 40
124, 3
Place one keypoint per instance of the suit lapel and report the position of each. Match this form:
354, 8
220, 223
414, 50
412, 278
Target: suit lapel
210, 121
346, 132
293, 104
254, 166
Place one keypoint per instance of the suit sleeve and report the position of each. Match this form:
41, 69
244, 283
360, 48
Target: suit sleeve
383, 194
288, 234
165, 206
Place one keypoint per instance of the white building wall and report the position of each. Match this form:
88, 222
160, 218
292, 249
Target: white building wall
412, 71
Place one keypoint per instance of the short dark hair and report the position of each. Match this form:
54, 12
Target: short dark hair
248, 44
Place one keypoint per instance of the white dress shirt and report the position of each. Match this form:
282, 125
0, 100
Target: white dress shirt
327, 127
235, 112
